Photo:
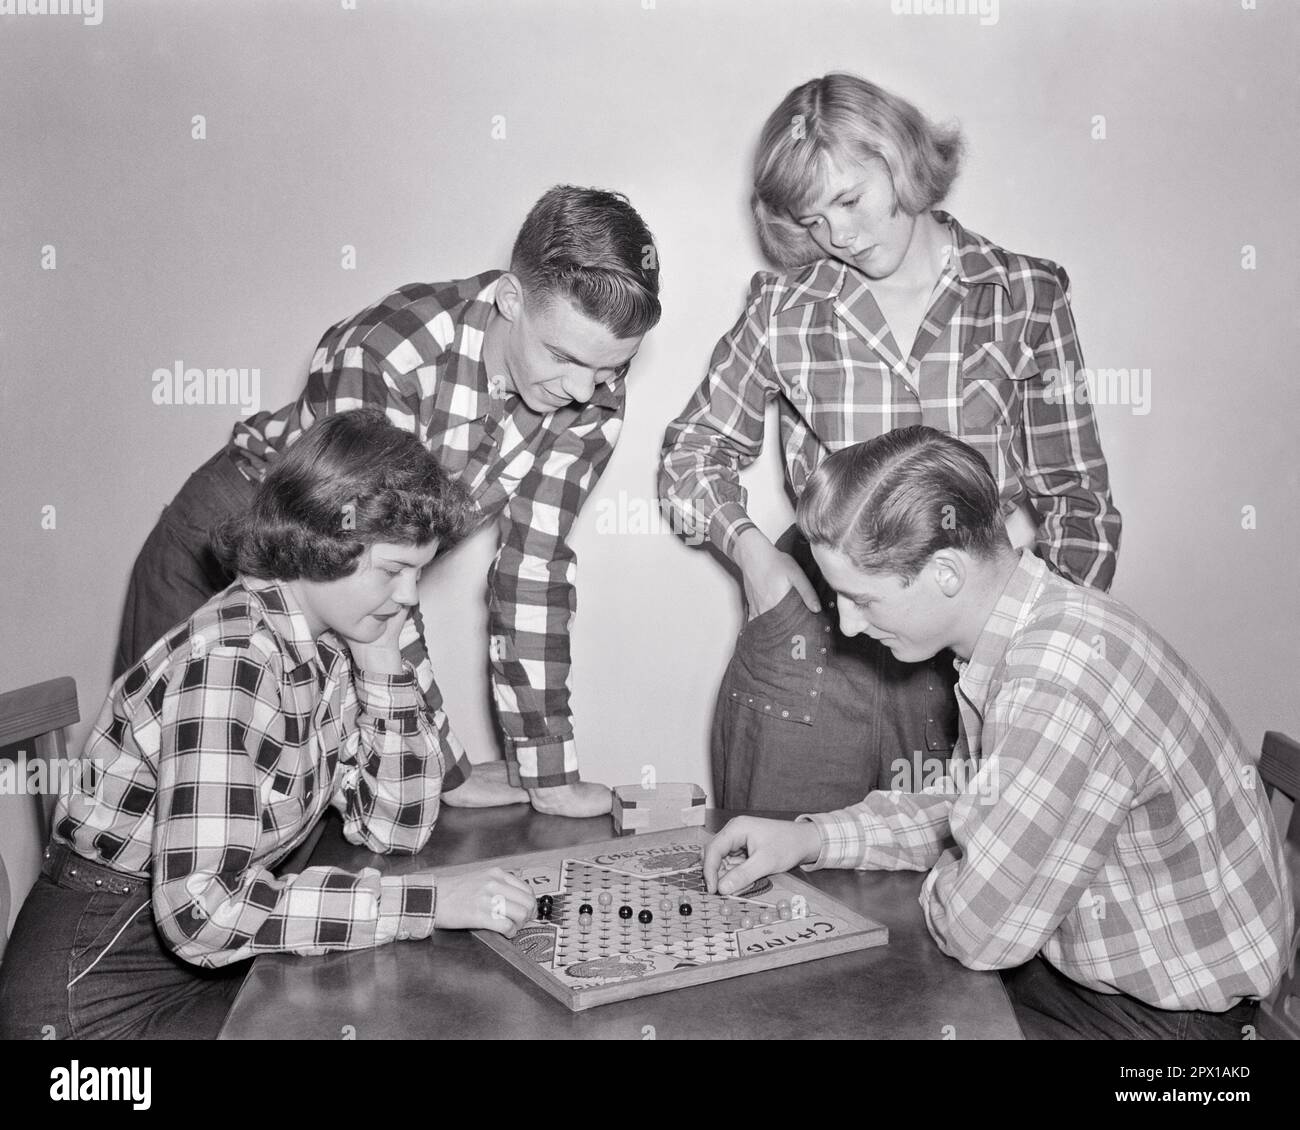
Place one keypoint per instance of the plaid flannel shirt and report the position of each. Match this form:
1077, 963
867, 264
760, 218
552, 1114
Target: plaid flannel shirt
221, 749
416, 354
996, 362
1108, 816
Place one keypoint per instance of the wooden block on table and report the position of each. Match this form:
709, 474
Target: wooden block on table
666, 805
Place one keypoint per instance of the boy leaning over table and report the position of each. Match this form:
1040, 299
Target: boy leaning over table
516, 381
285, 695
1110, 847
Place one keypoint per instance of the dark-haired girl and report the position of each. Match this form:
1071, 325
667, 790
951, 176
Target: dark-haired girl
284, 695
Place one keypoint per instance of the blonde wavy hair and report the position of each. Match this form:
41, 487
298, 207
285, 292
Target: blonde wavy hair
843, 117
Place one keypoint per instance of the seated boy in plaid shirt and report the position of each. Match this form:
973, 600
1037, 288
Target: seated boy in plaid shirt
284, 695
1101, 835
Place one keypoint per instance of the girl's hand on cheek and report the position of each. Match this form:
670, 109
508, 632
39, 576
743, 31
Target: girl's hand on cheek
383, 655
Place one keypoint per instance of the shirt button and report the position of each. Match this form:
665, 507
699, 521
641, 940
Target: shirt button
785, 714
819, 670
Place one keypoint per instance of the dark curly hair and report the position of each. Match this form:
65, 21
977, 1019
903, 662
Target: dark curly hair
350, 480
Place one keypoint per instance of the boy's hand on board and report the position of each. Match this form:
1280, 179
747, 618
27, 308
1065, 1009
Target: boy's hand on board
772, 847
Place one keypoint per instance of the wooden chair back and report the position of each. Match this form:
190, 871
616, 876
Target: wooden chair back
32, 721
1279, 767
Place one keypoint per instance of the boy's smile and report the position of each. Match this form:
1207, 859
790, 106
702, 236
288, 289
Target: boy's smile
550, 353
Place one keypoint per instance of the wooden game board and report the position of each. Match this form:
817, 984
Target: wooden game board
617, 959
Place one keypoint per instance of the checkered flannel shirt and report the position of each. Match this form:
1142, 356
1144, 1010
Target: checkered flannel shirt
996, 362
1109, 819
416, 354
221, 749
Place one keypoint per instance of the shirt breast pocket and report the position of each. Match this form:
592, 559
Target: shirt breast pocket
282, 811
993, 384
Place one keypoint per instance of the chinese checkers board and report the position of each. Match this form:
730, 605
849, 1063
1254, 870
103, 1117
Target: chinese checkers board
630, 917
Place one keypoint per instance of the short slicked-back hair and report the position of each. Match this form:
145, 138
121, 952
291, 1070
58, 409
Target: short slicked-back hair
592, 248
845, 118
891, 503
349, 481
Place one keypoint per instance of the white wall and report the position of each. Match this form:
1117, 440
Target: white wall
373, 127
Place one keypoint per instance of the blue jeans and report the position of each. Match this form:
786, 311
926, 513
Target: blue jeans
86, 962
1050, 1006
808, 720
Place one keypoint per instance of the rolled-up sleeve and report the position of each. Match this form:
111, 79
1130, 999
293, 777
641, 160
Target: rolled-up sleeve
532, 596
721, 430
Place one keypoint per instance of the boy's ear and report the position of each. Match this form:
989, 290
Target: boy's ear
949, 572
509, 296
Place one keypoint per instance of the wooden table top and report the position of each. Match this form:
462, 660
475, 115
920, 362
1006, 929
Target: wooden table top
453, 986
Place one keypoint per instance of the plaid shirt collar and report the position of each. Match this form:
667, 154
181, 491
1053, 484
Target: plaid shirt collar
271, 604
1004, 623
467, 356
827, 278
